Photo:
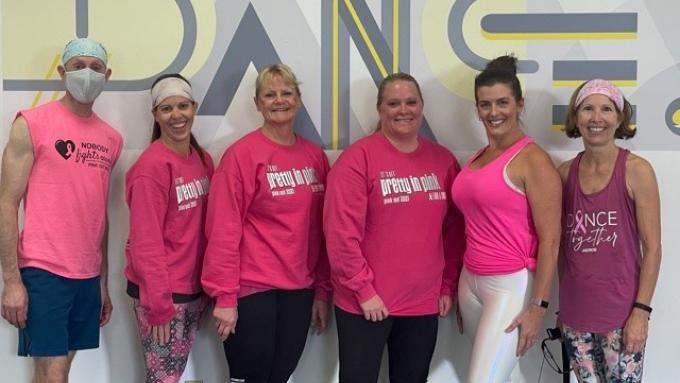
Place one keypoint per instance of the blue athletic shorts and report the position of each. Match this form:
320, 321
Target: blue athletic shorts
63, 314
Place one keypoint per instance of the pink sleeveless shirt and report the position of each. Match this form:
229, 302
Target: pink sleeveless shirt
601, 250
499, 227
67, 191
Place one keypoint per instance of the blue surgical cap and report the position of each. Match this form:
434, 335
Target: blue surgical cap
84, 47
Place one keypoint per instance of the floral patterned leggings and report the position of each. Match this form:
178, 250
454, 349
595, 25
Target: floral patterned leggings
600, 358
165, 363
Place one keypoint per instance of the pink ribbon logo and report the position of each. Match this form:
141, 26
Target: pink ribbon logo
579, 219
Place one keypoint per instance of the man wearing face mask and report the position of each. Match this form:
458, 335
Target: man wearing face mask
59, 159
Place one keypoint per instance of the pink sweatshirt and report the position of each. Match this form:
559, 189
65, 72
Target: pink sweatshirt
501, 238
264, 220
67, 191
391, 227
167, 197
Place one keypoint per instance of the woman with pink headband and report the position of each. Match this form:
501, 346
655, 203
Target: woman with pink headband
611, 246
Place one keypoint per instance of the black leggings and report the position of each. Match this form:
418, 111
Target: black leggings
271, 332
410, 344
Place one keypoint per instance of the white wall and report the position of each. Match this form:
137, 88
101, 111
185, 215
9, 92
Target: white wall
449, 110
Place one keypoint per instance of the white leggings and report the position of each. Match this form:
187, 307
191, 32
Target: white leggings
488, 305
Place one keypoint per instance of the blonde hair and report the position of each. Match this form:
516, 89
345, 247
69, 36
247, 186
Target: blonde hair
281, 71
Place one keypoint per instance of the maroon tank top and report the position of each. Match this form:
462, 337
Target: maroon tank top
601, 250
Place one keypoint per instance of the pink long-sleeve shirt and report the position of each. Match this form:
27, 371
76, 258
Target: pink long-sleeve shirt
167, 197
264, 220
391, 227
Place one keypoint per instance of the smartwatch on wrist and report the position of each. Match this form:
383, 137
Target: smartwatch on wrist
540, 302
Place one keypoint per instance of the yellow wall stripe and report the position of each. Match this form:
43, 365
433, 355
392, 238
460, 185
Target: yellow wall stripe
49, 74
576, 83
364, 36
335, 81
560, 36
558, 128
395, 36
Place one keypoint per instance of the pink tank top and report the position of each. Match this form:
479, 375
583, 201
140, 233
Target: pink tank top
67, 191
601, 250
501, 238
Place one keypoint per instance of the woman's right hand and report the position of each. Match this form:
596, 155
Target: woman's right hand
225, 321
374, 309
319, 320
161, 333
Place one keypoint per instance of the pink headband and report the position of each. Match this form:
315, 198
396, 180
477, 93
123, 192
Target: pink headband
599, 86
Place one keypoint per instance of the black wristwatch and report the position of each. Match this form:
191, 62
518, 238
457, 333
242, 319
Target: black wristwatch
643, 307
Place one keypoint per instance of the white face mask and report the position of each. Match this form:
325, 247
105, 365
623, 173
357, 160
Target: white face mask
85, 84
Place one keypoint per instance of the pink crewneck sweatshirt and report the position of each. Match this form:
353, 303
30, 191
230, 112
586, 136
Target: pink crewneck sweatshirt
167, 196
501, 238
67, 191
264, 220
391, 227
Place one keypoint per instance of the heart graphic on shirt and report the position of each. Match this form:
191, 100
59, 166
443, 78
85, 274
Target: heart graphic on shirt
65, 148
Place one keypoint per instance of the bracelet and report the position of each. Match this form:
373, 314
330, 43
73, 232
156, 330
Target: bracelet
642, 306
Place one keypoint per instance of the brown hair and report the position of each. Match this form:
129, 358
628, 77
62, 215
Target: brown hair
624, 130
394, 77
503, 70
399, 76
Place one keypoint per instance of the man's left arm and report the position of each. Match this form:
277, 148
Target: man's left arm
107, 307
